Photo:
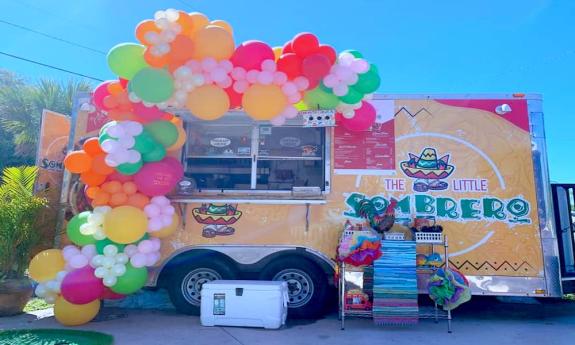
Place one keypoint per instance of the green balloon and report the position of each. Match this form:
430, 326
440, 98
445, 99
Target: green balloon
352, 96
131, 281
100, 245
129, 168
164, 132
127, 59
73, 230
144, 142
157, 154
368, 82
145, 237
355, 53
319, 98
154, 85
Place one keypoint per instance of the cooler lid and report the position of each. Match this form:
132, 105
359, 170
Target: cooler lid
252, 285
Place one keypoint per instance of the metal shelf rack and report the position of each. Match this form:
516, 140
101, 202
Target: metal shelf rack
434, 312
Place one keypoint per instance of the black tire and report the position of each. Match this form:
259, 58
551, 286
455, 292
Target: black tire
184, 282
307, 284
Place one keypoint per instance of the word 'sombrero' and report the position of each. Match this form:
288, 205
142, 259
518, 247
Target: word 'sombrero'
427, 166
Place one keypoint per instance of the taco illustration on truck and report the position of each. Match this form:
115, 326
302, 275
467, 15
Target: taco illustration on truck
427, 170
217, 219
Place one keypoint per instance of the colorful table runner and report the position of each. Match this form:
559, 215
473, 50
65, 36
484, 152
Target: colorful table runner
395, 285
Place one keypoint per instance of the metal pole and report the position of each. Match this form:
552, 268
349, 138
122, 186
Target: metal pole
342, 295
77, 101
446, 244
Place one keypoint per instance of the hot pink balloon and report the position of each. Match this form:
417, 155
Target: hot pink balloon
81, 286
314, 68
363, 119
100, 92
251, 54
159, 178
147, 114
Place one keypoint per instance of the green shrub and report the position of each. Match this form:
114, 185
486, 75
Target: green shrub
19, 209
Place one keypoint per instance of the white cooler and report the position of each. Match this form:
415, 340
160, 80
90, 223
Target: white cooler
248, 303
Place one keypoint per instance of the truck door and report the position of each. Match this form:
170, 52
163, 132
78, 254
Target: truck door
564, 204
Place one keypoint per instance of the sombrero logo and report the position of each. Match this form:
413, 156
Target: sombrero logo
427, 170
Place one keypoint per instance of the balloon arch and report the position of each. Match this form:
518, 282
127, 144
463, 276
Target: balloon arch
183, 60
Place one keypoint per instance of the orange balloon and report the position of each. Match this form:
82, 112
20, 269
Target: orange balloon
277, 52
181, 49
112, 187
168, 116
176, 121
182, 136
143, 28
115, 88
99, 165
138, 200
208, 102
129, 187
154, 60
213, 41
186, 23
264, 102
199, 21
223, 24
78, 162
91, 192
118, 199
92, 147
92, 179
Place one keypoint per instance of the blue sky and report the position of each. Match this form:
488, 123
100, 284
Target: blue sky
419, 46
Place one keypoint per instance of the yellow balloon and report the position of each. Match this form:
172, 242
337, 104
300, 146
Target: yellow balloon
125, 224
182, 136
301, 106
70, 314
208, 102
223, 24
168, 230
213, 41
277, 52
46, 264
199, 21
264, 102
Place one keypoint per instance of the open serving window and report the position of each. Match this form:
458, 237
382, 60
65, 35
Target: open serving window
236, 155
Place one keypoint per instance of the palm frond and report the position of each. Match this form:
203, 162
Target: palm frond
18, 181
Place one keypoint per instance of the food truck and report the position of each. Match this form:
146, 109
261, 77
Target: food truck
269, 202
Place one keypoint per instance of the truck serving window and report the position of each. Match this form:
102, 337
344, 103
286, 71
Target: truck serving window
254, 157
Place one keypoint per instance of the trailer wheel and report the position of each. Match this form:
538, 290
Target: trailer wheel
185, 282
307, 285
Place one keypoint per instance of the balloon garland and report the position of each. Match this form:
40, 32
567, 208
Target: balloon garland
182, 60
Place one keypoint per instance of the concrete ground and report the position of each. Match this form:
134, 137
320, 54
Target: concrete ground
482, 321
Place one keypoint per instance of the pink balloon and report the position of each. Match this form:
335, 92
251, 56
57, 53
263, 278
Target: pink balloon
265, 77
147, 114
280, 78
131, 250
314, 67
241, 86
81, 286
252, 76
151, 259
155, 224
145, 247
159, 178
251, 54
152, 210
239, 73
138, 260
363, 119
100, 92
278, 120
78, 261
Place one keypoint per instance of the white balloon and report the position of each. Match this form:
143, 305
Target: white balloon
119, 270
109, 145
52, 285
60, 275
133, 128
78, 261
116, 131
127, 141
100, 272
69, 250
172, 14
110, 250
110, 281
40, 290
108, 262
169, 210
102, 209
134, 156
100, 234
122, 258
50, 299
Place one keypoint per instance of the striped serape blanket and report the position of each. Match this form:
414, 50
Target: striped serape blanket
395, 285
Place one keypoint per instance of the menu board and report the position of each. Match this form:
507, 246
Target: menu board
369, 152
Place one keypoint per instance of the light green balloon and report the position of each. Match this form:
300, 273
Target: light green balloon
131, 281
73, 230
368, 82
126, 59
319, 98
154, 85
164, 132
